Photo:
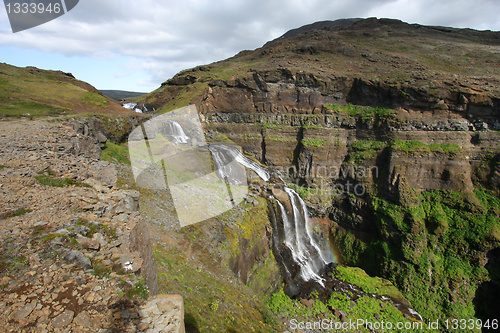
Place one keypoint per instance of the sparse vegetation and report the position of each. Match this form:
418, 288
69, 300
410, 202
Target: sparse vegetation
58, 182
116, 153
366, 149
314, 142
138, 290
361, 111
412, 146
439, 235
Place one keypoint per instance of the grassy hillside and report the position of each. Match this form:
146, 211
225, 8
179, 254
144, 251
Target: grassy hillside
33, 92
121, 94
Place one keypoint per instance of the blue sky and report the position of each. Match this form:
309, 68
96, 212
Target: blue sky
136, 45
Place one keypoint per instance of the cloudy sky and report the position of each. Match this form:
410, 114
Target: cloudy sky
135, 45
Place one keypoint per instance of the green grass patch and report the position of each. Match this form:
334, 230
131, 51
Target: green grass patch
28, 108
360, 111
365, 149
59, 182
314, 142
11, 263
17, 212
412, 146
116, 153
101, 270
269, 125
21, 211
30, 92
448, 148
372, 285
97, 227
95, 99
136, 291
409, 146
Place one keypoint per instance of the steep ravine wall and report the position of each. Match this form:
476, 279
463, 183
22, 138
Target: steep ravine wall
288, 120
423, 171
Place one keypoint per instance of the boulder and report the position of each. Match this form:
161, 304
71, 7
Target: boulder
79, 258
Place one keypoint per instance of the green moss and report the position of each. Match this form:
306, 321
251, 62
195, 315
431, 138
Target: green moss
269, 125
312, 126
12, 262
411, 146
360, 111
138, 290
211, 301
448, 148
101, 270
58, 182
65, 238
428, 249
365, 308
116, 153
18, 212
372, 285
261, 276
365, 149
97, 227
95, 98
314, 142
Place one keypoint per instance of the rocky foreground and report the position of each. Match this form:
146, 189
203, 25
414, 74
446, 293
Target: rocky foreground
70, 256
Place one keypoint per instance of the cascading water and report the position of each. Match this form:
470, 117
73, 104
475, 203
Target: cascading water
297, 238
300, 257
294, 230
223, 155
173, 130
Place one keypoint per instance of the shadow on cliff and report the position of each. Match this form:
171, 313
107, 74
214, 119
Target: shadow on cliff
488, 292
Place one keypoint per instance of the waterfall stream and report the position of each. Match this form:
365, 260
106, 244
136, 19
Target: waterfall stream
175, 131
300, 256
294, 231
223, 155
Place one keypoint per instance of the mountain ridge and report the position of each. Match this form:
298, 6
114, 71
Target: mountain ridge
389, 52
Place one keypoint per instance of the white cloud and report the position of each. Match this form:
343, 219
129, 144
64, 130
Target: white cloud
164, 37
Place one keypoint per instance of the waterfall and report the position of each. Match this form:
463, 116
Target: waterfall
299, 244
225, 154
303, 224
174, 130
225, 165
294, 231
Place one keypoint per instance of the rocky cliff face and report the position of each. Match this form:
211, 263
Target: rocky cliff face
390, 130
290, 103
